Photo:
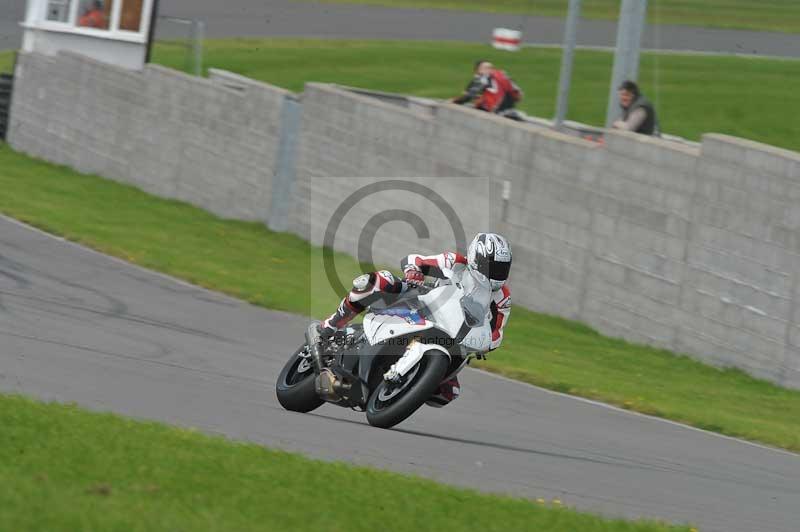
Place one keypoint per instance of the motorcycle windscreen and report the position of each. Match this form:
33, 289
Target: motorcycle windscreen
476, 299
406, 312
393, 321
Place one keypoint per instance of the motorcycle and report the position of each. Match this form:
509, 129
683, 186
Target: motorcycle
390, 365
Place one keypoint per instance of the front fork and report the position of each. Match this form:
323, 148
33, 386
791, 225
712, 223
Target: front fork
411, 358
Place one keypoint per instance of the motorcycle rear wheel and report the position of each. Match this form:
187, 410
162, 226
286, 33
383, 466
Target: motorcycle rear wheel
295, 385
390, 404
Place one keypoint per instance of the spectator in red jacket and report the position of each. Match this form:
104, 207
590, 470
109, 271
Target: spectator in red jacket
490, 90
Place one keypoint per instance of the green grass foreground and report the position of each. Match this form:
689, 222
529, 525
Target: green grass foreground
70, 469
751, 98
774, 15
240, 259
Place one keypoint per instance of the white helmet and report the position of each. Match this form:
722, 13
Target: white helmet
490, 254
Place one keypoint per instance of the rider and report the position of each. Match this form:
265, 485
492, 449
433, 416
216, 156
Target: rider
489, 254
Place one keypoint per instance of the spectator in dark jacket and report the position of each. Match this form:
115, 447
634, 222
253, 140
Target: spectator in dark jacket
638, 114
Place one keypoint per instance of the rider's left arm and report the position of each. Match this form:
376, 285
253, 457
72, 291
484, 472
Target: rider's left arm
433, 265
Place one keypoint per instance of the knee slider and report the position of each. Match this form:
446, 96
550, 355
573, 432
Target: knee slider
363, 282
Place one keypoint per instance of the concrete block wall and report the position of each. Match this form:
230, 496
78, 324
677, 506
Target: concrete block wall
694, 250
348, 140
642, 192
174, 135
743, 256
691, 249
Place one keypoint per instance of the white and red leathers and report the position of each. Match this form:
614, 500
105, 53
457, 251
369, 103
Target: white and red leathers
371, 287
442, 266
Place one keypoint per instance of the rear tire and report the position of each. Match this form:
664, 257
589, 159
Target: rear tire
385, 414
295, 386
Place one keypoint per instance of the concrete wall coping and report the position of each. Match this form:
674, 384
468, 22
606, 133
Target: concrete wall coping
95, 62
565, 137
617, 139
217, 75
533, 128
752, 145
373, 102
190, 78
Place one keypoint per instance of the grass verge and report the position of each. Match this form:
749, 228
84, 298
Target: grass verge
240, 259
749, 98
6, 61
114, 473
775, 15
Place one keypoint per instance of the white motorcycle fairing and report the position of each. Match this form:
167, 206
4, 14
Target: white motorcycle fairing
402, 319
459, 309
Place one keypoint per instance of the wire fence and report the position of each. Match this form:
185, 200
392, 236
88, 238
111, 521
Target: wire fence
188, 32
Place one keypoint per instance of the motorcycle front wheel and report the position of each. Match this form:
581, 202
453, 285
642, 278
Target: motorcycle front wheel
391, 403
295, 386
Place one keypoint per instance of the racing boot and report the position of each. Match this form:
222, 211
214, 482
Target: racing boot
339, 319
447, 392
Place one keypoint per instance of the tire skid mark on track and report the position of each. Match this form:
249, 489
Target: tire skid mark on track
124, 316
134, 358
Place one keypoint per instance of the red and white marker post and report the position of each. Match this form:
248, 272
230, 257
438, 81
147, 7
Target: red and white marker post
506, 39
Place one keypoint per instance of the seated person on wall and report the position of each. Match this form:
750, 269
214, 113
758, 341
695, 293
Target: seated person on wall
638, 114
94, 16
491, 90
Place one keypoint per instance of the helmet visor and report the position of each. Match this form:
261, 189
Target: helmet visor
498, 271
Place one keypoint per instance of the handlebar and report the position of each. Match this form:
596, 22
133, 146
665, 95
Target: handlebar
430, 283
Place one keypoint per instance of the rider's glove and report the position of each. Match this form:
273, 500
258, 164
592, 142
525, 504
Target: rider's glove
414, 276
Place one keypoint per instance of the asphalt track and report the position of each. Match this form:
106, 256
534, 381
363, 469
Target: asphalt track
284, 18
79, 326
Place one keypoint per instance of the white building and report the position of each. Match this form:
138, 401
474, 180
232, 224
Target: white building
114, 31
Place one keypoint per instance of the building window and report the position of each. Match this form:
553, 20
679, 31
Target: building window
126, 20
58, 10
131, 16
94, 14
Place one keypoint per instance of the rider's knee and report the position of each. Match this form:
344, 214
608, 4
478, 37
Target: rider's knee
379, 281
364, 282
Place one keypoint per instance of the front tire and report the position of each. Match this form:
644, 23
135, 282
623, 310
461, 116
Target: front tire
295, 386
390, 404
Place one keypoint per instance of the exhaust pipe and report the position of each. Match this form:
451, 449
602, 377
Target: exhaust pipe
314, 341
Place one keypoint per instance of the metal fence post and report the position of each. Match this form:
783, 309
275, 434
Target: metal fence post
198, 35
626, 58
283, 179
567, 56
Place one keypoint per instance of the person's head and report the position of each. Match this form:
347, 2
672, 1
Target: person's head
490, 254
628, 92
483, 67
94, 5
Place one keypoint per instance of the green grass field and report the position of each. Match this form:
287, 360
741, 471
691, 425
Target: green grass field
66, 469
239, 258
750, 98
772, 15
